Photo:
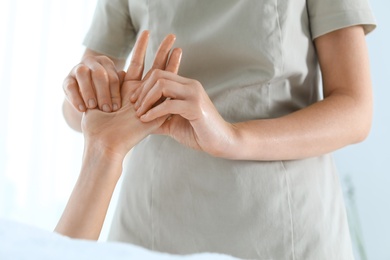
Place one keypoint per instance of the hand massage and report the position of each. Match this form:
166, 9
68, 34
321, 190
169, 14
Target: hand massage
231, 144
108, 138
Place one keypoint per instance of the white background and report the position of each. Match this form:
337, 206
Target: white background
40, 41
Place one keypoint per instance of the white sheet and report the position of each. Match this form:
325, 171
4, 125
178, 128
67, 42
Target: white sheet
19, 241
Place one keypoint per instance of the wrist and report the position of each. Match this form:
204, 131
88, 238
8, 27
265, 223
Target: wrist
100, 161
228, 147
102, 150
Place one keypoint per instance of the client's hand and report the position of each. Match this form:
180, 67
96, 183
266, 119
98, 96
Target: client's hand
108, 137
118, 132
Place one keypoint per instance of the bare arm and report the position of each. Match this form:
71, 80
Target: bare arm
342, 118
108, 138
87, 206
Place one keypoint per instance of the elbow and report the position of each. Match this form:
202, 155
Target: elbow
362, 128
362, 135
361, 118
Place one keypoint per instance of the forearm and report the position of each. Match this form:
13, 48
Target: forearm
326, 126
342, 118
85, 212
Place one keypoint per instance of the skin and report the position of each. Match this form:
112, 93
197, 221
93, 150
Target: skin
108, 138
342, 118
95, 83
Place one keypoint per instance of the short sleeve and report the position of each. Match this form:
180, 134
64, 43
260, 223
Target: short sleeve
111, 32
330, 15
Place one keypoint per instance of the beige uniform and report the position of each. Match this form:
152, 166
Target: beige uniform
256, 60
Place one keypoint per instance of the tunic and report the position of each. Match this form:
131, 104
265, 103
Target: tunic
256, 60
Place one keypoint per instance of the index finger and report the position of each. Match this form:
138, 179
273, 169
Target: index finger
137, 62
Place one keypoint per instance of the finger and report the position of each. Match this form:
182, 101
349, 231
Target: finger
161, 59
160, 62
167, 108
174, 61
136, 94
137, 61
72, 93
125, 87
82, 74
114, 83
172, 66
101, 82
157, 75
163, 89
157, 123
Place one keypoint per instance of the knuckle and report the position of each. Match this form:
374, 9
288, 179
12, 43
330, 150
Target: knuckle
69, 84
100, 74
196, 88
81, 69
114, 79
162, 86
196, 84
106, 59
156, 73
160, 83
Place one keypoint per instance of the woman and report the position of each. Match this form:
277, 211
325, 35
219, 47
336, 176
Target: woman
243, 166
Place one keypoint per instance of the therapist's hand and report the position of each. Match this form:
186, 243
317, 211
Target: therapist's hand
94, 83
194, 121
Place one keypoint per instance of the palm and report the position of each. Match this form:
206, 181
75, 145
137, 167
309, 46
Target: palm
121, 129
181, 130
190, 134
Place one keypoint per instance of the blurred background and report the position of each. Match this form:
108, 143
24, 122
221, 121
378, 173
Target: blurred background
40, 41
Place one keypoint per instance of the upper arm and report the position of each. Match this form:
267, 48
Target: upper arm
343, 58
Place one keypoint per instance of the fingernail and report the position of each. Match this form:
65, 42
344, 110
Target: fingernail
91, 103
136, 105
82, 108
115, 107
106, 108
